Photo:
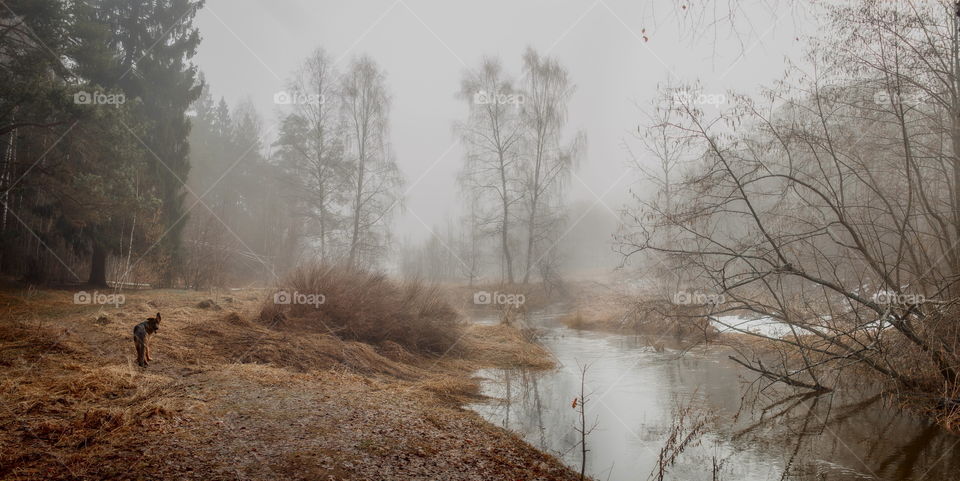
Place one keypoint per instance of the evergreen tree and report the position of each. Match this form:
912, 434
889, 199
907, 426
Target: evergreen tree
55, 177
155, 41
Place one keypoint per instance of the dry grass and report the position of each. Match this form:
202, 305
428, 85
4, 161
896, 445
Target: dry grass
230, 338
71, 392
599, 307
368, 307
504, 346
602, 309
68, 384
84, 407
65, 407
603, 317
455, 389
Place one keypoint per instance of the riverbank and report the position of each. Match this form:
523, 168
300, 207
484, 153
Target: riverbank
229, 397
614, 308
753, 340
644, 402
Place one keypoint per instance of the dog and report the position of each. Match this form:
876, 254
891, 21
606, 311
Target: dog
141, 334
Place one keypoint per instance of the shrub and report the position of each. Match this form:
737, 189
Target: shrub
365, 306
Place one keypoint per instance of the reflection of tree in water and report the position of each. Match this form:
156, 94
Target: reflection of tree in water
803, 432
530, 401
538, 407
508, 399
521, 400
865, 434
775, 433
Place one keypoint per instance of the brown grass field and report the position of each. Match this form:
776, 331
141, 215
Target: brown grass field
229, 396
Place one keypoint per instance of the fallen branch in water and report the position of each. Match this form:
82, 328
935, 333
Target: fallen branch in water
780, 377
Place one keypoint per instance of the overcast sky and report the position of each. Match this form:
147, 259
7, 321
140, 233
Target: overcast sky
250, 48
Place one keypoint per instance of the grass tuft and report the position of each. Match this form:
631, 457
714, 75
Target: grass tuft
367, 307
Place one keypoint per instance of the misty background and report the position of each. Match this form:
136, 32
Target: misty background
617, 54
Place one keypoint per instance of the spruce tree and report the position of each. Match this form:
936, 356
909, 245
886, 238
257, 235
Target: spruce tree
156, 41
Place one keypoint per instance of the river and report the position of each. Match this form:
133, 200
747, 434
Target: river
634, 394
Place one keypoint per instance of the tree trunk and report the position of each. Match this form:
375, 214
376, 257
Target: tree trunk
323, 236
505, 243
955, 138
504, 235
358, 200
534, 199
98, 267
532, 231
356, 219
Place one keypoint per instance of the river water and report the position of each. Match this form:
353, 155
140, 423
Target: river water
635, 393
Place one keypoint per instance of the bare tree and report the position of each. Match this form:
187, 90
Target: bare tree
312, 147
658, 140
374, 175
471, 240
671, 156
687, 428
546, 161
580, 405
492, 135
831, 207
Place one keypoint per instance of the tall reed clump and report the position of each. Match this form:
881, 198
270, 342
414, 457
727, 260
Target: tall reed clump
365, 306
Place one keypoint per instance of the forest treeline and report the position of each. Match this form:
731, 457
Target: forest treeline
119, 164
94, 132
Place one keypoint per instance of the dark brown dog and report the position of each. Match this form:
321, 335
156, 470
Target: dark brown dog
141, 334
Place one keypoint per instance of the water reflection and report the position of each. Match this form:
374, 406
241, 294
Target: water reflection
753, 434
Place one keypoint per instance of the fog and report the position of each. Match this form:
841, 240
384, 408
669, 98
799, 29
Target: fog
250, 48
349, 239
